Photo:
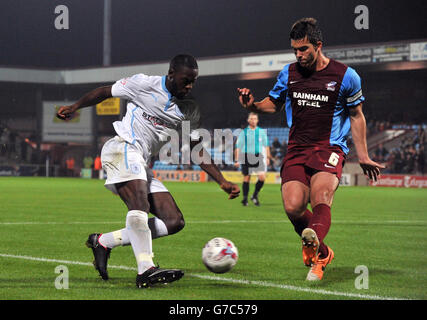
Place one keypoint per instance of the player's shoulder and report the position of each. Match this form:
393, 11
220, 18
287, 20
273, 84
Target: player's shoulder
284, 73
351, 78
351, 73
288, 67
351, 85
148, 82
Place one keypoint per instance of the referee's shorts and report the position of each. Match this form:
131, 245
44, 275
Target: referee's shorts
253, 164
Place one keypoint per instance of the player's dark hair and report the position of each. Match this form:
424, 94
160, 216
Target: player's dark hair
183, 60
306, 27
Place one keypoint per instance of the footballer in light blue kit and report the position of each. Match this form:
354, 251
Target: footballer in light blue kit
156, 106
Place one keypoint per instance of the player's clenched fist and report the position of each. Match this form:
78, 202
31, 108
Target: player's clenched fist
66, 112
232, 189
246, 98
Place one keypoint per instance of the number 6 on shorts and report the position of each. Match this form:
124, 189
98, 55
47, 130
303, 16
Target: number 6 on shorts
334, 158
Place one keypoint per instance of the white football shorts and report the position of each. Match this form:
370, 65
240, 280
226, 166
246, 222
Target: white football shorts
122, 162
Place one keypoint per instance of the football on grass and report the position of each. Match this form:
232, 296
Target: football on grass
219, 255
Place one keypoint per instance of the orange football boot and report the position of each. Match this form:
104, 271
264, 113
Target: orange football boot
318, 268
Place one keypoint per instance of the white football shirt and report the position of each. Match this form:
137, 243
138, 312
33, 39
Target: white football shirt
151, 113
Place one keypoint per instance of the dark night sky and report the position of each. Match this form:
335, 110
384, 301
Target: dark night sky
155, 30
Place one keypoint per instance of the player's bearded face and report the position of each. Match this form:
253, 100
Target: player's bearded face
307, 61
182, 81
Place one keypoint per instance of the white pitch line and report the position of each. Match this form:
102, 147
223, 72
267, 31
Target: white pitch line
295, 288
30, 258
217, 278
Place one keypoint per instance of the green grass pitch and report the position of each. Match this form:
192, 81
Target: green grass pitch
44, 223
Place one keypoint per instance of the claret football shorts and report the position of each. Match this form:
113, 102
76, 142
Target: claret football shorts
123, 162
302, 163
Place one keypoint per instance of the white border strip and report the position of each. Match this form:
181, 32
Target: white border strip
217, 278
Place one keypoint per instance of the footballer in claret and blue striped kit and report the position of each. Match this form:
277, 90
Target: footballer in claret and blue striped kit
322, 99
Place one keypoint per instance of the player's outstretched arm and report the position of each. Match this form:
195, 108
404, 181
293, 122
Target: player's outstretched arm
212, 170
90, 99
358, 131
247, 100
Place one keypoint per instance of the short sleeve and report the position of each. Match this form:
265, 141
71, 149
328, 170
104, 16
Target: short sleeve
128, 88
280, 89
352, 88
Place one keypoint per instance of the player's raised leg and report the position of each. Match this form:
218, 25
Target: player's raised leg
168, 220
101, 254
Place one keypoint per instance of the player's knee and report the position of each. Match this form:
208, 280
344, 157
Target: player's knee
294, 208
324, 196
175, 223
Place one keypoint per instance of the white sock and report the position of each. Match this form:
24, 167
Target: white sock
114, 239
121, 237
140, 239
157, 227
